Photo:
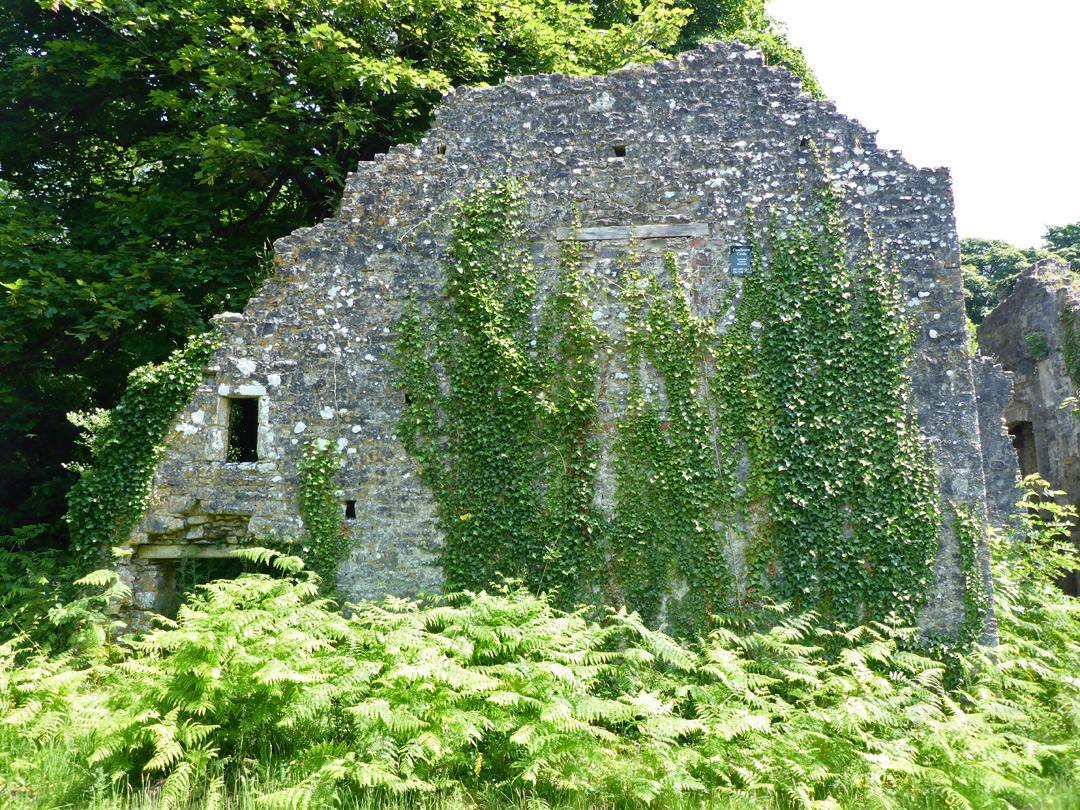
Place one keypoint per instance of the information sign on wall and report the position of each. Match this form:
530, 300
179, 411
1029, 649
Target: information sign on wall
742, 260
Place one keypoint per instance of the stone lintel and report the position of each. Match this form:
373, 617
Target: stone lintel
632, 232
175, 551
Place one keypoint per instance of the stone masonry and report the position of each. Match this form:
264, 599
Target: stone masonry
1026, 334
688, 155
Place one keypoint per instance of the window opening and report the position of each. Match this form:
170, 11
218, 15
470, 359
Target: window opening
440, 149
620, 151
1023, 439
350, 509
243, 430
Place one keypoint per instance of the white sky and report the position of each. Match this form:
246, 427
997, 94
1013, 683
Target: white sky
988, 88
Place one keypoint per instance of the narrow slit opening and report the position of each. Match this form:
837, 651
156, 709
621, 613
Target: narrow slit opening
350, 510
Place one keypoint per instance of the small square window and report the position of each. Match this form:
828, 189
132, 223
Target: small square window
243, 429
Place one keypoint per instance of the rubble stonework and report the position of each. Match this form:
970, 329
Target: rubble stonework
993, 386
1026, 334
686, 155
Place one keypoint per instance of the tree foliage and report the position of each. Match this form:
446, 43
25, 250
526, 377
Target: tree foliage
747, 21
150, 150
1064, 240
990, 268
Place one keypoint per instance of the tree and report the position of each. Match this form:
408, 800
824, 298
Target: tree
990, 268
149, 151
1064, 241
747, 21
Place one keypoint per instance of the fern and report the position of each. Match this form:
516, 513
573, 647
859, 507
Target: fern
496, 694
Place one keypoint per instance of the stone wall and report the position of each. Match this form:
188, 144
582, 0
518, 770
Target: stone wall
688, 155
1026, 334
994, 388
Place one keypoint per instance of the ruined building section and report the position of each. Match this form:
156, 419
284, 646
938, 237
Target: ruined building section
1030, 334
689, 155
993, 387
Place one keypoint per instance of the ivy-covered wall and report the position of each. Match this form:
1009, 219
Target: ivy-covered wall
634, 188
775, 457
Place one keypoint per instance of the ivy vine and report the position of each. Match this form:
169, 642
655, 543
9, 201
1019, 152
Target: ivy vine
782, 445
1069, 344
670, 521
126, 445
854, 510
969, 531
508, 448
327, 541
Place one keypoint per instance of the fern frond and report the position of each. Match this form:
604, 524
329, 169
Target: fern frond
169, 752
257, 555
101, 578
215, 794
178, 786
645, 790
297, 797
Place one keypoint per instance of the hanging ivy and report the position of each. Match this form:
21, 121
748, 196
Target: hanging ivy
854, 512
670, 520
507, 447
327, 541
1069, 345
969, 532
777, 455
126, 445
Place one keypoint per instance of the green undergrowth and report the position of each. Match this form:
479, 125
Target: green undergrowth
32, 583
263, 694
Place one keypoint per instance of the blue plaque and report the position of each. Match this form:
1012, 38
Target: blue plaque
742, 260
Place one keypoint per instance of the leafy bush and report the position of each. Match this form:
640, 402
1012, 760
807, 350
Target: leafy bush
1038, 347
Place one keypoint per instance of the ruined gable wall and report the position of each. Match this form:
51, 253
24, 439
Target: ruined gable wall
712, 141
